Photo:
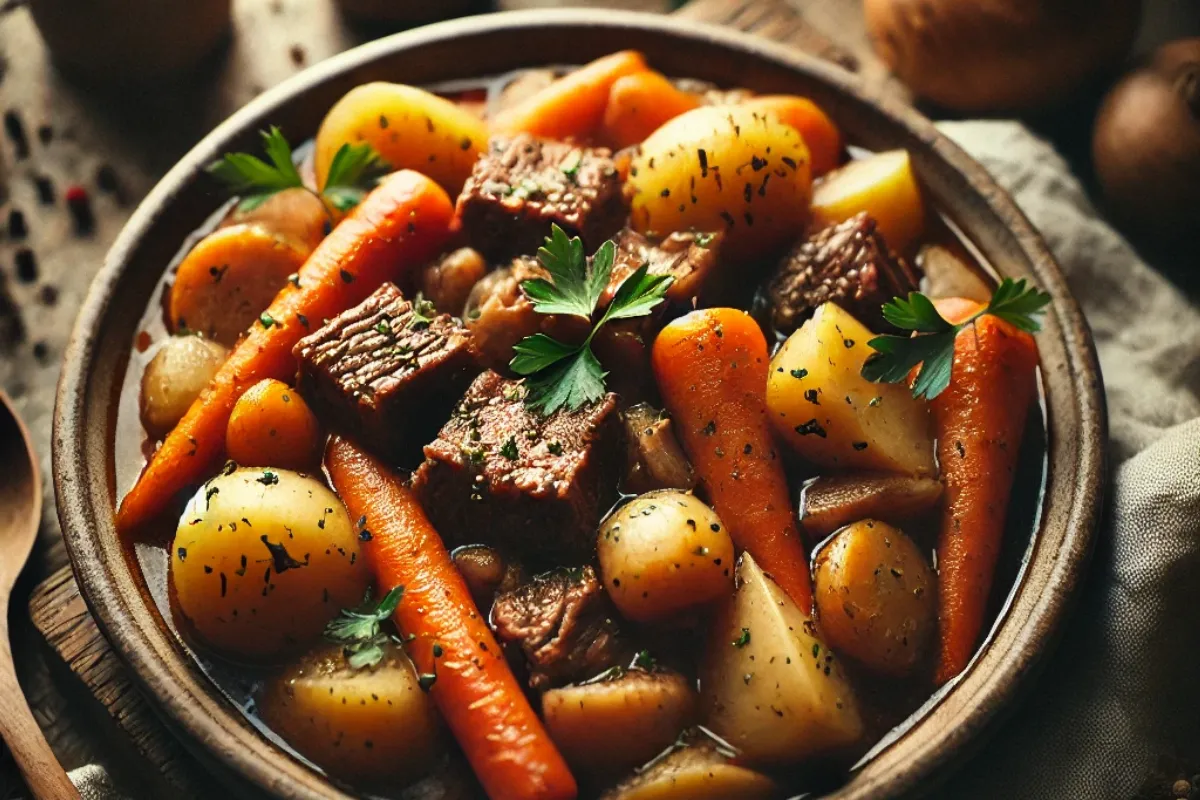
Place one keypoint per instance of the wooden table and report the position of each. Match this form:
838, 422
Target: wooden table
77, 134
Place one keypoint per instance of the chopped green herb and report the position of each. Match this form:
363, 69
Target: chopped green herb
561, 375
509, 449
268, 478
266, 319
742, 640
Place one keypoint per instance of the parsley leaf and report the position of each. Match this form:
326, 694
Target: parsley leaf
423, 313
559, 374
932, 350
359, 631
352, 172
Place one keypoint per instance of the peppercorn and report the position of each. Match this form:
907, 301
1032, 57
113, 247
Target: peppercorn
16, 132
80, 206
27, 270
45, 133
45, 189
17, 229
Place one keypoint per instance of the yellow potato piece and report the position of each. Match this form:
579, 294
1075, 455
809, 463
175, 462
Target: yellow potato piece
409, 127
769, 685
833, 417
882, 185
374, 726
875, 597
261, 560
723, 168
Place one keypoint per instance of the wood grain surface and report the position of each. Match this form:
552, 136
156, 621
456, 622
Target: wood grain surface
78, 687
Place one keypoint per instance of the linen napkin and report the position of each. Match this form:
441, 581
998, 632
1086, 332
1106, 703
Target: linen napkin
1122, 691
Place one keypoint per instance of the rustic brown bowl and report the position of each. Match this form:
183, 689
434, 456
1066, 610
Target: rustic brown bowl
99, 351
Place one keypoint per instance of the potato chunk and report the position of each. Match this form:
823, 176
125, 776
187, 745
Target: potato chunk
769, 684
821, 405
174, 378
610, 726
663, 553
698, 770
261, 560
884, 186
875, 597
374, 726
409, 127
723, 168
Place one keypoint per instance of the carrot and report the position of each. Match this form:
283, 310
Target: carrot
823, 138
979, 421
474, 688
228, 278
711, 368
572, 106
401, 224
272, 426
639, 104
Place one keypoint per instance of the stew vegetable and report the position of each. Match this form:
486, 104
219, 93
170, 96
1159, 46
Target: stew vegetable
494, 441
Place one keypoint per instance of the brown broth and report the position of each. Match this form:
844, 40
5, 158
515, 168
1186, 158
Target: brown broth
890, 707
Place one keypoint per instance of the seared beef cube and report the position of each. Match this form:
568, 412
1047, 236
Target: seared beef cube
564, 623
522, 185
848, 264
503, 475
384, 373
690, 258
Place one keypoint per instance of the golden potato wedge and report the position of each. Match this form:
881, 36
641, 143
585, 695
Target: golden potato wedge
884, 186
698, 770
769, 684
605, 727
723, 168
409, 127
833, 417
875, 597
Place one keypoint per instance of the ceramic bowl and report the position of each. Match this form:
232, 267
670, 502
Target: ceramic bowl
99, 351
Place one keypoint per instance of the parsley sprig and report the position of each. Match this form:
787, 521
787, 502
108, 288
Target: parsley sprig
933, 346
563, 375
353, 171
359, 631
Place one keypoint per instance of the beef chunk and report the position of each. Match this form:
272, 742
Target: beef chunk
386, 374
690, 258
509, 477
564, 623
848, 264
523, 184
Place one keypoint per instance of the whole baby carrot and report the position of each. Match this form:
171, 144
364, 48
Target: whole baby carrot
473, 687
979, 421
711, 368
401, 224
573, 106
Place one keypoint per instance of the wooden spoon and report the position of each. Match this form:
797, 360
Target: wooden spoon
20, 513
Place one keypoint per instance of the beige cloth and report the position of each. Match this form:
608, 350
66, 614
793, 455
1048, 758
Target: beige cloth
1122, 691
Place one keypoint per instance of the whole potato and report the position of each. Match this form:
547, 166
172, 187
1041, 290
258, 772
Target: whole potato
295, 214
875, 597
174, 378
261, 560
663, 553
371, 726
409, 127
723, 168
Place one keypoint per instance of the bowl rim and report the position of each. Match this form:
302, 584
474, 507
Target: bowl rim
174, 693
